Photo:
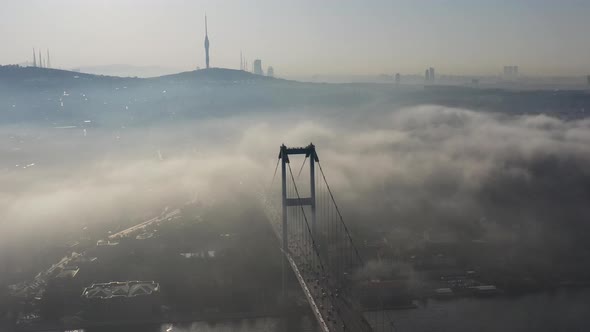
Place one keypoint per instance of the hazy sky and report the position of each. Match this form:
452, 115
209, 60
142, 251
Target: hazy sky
305, 37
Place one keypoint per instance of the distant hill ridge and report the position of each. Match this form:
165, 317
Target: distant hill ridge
14, 73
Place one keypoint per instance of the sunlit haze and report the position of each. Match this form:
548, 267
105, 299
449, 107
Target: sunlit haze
305, 37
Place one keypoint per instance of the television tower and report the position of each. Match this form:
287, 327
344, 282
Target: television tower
206, 44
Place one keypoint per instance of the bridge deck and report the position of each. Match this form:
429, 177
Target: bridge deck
333, 309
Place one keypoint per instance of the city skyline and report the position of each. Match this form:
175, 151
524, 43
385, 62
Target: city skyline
306, 38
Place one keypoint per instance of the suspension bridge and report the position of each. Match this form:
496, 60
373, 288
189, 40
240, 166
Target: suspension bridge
316, 243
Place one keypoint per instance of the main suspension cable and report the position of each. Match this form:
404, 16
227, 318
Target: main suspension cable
313, 243
275, 173
303, 164
340, 214
351, 241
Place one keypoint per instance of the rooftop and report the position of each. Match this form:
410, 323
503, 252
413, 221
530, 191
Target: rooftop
68, 272
443, 291
103, 243
120, 289
144, 235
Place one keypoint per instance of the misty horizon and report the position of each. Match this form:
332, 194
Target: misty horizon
462, 38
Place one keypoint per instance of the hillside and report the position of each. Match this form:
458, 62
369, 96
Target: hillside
66, 98
46, 77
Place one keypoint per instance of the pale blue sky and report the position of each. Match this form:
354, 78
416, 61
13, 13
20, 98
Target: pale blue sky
305, 37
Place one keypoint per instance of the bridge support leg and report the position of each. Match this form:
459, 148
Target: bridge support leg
312, 158
309, 152
284, 160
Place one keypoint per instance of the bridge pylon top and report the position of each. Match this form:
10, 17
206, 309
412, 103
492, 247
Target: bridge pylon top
308, 151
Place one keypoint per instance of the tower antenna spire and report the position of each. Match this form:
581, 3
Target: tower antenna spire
206, 44
34, 58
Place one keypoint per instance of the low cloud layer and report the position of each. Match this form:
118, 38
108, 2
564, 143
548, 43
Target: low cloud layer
409, 171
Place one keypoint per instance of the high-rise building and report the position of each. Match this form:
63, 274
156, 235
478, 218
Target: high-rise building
270, 72
34, 58
206, 44
398, 78
427, 75
258, 67
588, 79
40, 60
431, 76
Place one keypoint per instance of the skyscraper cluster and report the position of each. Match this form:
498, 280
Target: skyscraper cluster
510, 71
256, 66
39, 61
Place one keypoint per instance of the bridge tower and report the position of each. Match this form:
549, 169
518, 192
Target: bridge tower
309, 152
316, 244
